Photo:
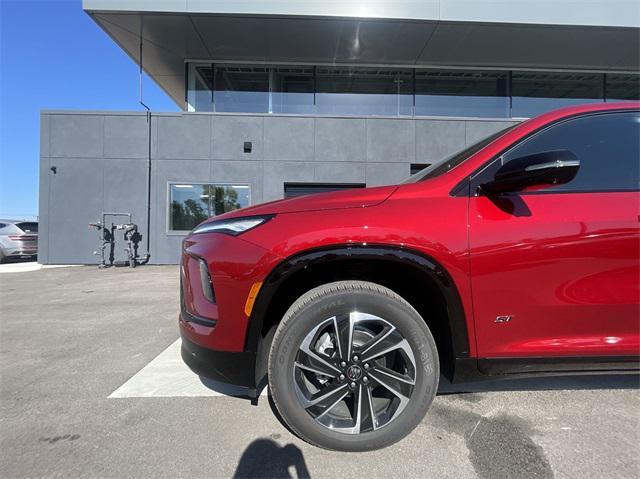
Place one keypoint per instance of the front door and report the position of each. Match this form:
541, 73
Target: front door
556, 272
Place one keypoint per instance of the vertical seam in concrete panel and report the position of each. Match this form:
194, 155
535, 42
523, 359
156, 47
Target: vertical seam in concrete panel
315, 133
415, 144
103, 142
315, 157
413, 125
366, 140
261, 182
212, 140
366, 176
263, 140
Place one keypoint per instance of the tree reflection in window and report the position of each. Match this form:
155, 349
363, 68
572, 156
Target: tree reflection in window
191, 204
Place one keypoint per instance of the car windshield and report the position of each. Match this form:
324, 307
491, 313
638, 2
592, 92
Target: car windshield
448, 163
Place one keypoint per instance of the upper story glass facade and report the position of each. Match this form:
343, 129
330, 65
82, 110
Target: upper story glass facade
397, 92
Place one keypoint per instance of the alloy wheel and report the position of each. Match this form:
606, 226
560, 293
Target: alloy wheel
354, 373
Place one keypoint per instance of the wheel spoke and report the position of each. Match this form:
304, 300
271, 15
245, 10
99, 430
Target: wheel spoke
397, 387
322, 372
326, 399
312, 361
339, 342
392, 342
395, 376
380, 337
344, 334
364, 420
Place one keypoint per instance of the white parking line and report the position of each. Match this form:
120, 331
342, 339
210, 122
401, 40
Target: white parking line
29, 266
168, 376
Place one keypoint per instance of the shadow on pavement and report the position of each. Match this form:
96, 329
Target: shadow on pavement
266, 458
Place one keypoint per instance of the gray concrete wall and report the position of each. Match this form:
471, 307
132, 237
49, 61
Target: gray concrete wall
101, 163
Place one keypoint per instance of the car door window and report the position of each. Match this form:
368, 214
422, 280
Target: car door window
607, 145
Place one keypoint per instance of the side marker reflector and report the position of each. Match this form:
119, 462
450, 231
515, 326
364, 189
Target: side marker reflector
253, 293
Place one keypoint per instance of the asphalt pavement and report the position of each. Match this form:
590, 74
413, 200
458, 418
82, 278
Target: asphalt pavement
91, 386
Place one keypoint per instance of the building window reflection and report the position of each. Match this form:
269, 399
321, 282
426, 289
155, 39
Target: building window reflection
620, 87
241, 89
461, 93
534, 93
192, 203
200, 91
292, 90
364, 91
393, 92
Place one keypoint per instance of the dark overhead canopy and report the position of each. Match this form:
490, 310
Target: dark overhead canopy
169, 39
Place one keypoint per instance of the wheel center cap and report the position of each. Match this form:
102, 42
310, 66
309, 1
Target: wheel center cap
354, 372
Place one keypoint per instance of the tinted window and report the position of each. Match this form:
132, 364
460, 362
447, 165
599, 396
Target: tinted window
535, 93
241, 88
607, 145
292, 90
364, 91
461, 93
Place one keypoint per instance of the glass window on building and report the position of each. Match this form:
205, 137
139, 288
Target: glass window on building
200, 91
241, 89
364, 91
461, 93
292, 90
534, 93
191, 204
622, 87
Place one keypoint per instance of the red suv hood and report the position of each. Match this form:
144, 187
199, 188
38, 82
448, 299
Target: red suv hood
354, 198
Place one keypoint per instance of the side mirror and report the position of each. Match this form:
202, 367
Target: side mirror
555, 167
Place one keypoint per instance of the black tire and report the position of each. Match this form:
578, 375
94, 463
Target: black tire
311, 310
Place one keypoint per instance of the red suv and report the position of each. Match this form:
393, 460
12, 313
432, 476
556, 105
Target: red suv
516, 256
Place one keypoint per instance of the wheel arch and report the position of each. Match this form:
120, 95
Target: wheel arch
415, 276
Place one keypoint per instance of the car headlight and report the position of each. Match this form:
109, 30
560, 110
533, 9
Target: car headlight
233, 226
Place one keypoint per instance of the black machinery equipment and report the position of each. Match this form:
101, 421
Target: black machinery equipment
131, 236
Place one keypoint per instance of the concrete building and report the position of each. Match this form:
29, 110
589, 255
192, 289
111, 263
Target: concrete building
288, 97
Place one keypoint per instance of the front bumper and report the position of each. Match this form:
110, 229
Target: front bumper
235, 267
228, 367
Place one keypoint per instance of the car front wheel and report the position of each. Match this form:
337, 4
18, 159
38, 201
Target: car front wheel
352, 366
